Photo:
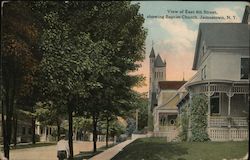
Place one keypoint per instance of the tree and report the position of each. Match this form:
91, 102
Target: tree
115, 30
67, 70
19, 60
120, 24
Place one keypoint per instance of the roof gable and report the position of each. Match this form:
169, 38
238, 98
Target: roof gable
221, 35
159, 62
171, 85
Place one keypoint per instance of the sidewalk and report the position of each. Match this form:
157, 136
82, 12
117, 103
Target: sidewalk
111, 152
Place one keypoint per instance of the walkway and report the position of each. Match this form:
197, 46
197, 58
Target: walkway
49, 152
111, 152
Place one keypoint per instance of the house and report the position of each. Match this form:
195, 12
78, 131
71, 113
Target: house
222, 63
24, 130
166, 112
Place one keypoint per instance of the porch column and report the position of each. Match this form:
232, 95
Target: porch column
38, 129
208, 106
229, 94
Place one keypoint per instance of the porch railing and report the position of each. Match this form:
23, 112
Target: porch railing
228, 134
167, 128
222, 121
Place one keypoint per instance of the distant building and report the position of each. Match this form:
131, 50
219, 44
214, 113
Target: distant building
157, 72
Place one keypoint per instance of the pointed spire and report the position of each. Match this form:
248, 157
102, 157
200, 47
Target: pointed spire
183, 77
152, 53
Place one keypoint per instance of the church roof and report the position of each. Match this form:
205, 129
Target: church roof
159, 62
165, 85
152, 53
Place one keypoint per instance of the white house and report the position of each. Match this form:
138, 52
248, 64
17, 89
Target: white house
222, 64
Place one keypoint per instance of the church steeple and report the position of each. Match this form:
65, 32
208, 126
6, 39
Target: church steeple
152, 53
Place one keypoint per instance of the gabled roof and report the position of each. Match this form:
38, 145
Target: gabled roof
152, 53
221, 35
159, 62
173, 85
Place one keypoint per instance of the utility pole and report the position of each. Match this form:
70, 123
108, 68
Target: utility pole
136, 117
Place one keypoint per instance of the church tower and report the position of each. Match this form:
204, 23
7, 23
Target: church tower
151, 69
157, 72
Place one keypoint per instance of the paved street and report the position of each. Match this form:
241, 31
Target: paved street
49, 152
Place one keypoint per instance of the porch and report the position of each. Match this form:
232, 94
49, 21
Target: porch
228, 108
165, 124
222, 128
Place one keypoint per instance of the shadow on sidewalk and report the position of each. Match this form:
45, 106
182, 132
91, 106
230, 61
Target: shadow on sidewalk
86, 155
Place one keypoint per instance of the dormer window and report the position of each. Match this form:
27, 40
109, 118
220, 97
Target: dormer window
244, 68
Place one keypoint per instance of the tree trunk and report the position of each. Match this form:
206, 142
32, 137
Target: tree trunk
107, 133
94, 132
70, 130
33, 124
8, 122
15, 130
5, 144
58, 130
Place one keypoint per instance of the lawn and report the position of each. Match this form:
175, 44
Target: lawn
159, 149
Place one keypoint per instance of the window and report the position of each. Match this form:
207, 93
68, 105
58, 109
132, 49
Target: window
215, 104
41, 131
23, 130
50, 131
203, 73
30, 131
172, 119
163, 119
244, 69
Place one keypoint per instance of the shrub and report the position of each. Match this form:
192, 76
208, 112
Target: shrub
199, 119
183, 122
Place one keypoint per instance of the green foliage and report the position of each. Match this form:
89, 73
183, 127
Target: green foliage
143, 114
183, 121
117, 128
150, 122
199, 118
83, 124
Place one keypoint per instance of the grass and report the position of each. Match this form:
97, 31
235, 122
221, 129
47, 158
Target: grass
159, 149
38, 144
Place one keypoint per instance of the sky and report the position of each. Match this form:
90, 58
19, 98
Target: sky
175, 39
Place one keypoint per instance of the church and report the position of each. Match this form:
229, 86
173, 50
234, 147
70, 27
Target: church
163, 97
